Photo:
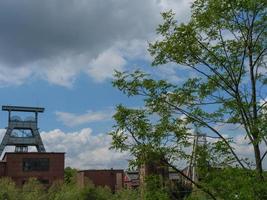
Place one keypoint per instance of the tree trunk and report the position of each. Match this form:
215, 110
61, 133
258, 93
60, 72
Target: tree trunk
258, 160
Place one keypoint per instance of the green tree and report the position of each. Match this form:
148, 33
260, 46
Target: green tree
232, 183
70, 175
153, 189
225, 43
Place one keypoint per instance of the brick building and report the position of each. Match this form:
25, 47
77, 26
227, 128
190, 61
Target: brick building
21, 164
112, 178
46, 167
131, 179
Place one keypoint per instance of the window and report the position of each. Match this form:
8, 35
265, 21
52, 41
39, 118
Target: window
35, 164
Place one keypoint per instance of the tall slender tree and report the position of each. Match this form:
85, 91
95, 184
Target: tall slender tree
225, 43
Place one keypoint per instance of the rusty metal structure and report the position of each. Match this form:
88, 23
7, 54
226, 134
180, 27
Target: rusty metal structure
20, 132
200, 140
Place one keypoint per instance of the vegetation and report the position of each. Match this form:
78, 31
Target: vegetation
33, 190
229, 184
225, 43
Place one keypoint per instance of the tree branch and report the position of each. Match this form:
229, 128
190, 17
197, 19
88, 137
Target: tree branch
190, 179
211, 128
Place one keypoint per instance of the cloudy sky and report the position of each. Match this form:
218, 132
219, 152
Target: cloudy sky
61, 54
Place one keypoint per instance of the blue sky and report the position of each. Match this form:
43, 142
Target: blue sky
61, 55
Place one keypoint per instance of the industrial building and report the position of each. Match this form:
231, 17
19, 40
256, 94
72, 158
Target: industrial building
131, 179
112, 178
21, 165
48, 167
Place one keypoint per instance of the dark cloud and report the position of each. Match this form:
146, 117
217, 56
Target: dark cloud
32, 30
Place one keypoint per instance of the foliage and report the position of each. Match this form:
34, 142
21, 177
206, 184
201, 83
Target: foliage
68, 192
232, 183
70, 175
99, 193
153, 189
127, 194
153, 138
34, 190
8, 189
54, 190
225, 43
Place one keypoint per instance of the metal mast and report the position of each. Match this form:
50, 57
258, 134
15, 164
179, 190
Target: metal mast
28, 128
199, 140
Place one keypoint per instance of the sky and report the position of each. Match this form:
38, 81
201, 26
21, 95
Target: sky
61, 55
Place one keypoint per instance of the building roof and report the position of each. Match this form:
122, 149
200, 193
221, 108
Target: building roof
132, 175
22, 109
99, 170
29, 153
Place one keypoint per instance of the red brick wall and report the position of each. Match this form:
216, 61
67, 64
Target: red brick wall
2, 169
103, 178
14, 167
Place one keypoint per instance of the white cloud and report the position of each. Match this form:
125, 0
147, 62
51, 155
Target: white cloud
13, 76
71, 119
61, 70
84, 150
59, 40
181, 8
169, 73
104, 65
135, 49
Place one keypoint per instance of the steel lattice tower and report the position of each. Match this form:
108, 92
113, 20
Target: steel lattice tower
15, 123
199, 140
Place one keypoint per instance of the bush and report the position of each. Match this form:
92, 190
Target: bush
8, 189
127, 194
33, 190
